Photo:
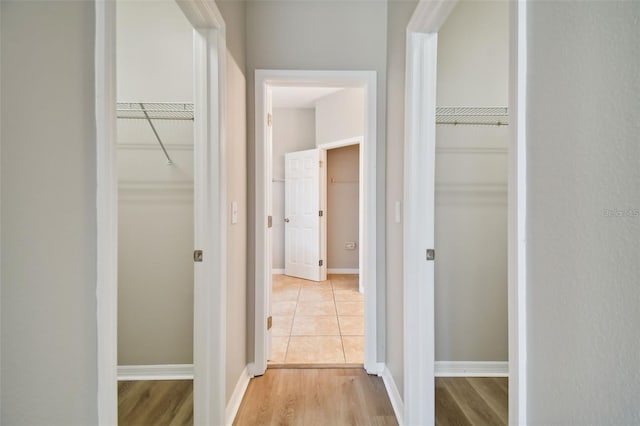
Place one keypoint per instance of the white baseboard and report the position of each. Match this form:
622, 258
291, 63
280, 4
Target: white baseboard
350, 271
236, 397
275, 271
472, 369
155, 372
394, 395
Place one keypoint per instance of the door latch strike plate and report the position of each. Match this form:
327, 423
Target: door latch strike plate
269, 322
197, 255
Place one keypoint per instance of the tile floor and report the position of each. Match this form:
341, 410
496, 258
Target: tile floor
317, 322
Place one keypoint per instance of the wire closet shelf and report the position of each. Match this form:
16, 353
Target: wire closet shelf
479, 116
155, 110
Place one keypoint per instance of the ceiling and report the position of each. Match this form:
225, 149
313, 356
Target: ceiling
300, 97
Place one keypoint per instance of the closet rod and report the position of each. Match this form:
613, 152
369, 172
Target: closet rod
155, 132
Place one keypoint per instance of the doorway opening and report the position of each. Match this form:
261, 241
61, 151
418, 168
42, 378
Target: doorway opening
307, 310
471, 181
317, 310
209, 320
420, 148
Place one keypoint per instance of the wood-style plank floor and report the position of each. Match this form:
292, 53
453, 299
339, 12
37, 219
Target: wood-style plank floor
155, 402
316, 397
476, 401
343, 396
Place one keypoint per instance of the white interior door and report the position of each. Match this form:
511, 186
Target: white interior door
302, 211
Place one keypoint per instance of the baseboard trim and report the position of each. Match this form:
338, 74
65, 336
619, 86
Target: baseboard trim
349, 271
155, 372
236, 397
275, 271
394, 395
472, 369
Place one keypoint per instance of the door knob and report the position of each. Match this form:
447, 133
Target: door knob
286, 219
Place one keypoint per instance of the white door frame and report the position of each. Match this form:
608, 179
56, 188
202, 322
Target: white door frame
420, 102
366, 80
210, 212
341, 144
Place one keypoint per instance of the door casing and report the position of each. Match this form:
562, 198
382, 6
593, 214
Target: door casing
210, 212
314, 78
420, 101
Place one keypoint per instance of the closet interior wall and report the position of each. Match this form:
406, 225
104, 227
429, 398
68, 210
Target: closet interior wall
155, 206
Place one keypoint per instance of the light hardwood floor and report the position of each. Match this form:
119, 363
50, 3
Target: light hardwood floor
472, 401
316, 397
155, 402
343, 396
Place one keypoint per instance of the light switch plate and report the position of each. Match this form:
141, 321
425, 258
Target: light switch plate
234, 212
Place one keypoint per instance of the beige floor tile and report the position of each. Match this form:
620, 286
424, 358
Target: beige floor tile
285, 294
282, 325
345, 284
351, 325
279, 348
316, 308
284, 280
350, 308
315, 293
315, 350
315, 326
286, 307
348, 295
353, 349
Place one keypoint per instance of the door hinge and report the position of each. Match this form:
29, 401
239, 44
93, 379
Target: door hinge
320, 213
320, 263
269, 322
431, 254
197, 255
320, 163
269, 221
269, 120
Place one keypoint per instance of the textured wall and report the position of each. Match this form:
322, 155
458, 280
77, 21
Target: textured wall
233, 13
583, 236
399, 14
340, 116
343, 178
48, 264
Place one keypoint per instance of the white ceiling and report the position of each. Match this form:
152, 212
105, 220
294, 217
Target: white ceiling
300, 97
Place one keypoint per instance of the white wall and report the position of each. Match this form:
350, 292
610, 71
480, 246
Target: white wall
155, 267
343, 178
583, 269
340, 116
319, 35
233, 13
294, 129
48, 265
471, 188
